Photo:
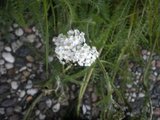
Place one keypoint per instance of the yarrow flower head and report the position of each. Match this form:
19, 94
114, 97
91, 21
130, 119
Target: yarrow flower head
73, 48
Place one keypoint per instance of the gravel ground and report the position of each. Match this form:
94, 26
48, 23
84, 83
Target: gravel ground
21, 70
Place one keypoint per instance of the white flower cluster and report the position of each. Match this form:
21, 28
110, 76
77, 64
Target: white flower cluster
72, 48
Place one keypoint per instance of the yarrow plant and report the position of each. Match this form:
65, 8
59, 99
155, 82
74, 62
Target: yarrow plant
73, 49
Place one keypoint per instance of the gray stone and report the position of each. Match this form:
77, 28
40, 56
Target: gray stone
32, 91
15, 25
42, 116
14, 117
19, 32
22, 93
29, 58
31, 38
9, 111
4, 88
56, 107
49, 103
37, 112
1, 62
18, 109
14, 85
2, 111
8, 57
50, 58
8, 102
9, 65
29, 84
16, 45
2, 70
8, 49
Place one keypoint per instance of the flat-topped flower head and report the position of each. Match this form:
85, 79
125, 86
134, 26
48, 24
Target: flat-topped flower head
72, 48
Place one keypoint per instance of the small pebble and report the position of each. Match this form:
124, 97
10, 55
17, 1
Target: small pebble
145, 57
31, 38
9, 65
37, 112
134, 95
155, 73
38, 45
22, 69
4, 88
15, 25
129, 85
85, 108
9, 110
50, 58
18, 109
2, 111
22, 93
29, 84
132, 100
29, 58
16, 45
32, 91
8, 49
14, 85
140, 95
1, 62
56, 107
19, 32
49, 103
8, 57
42, 116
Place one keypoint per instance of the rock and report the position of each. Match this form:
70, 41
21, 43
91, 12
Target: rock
4, 87
129, 85
50, 58
37, 112
38, 45
14, 85
15, 25
42, 105
49, 103
16, 45
8, 57
32, 91
22, 93
23, 51
19, 32
31, 38
34, 29
42, 116
8, 102
85, 108
18, 109
2, 111
8, 49
9, 111
2, 70
28, 30
29, 84
29, 58
14, 117
9, 65
56, 107
19, 63
1, 62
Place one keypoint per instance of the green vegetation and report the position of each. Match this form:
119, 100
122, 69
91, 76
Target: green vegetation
118, 28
